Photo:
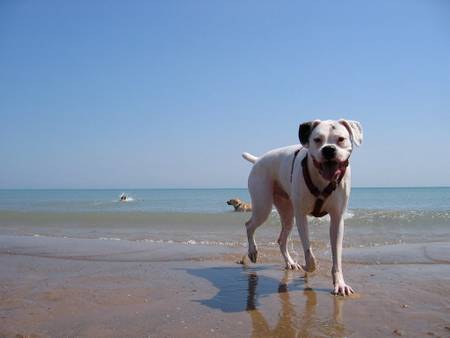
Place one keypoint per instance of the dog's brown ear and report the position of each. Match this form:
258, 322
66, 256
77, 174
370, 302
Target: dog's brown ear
354, 129
304, 131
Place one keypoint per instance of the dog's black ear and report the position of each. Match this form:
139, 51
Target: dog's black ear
304, 131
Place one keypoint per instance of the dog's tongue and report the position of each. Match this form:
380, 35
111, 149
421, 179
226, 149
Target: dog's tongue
330, 170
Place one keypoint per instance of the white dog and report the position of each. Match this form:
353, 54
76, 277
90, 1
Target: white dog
309, 180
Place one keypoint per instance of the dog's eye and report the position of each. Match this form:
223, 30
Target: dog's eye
341, 139
317, 140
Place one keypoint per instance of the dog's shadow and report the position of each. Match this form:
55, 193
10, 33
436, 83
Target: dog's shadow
243, 289
239, 288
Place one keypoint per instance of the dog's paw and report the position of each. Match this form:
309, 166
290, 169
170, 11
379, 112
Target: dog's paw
253, 255
310, 260
309, 268
294, 266
342, 289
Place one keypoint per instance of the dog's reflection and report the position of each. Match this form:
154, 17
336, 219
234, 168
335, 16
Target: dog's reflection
304, 312
290, 323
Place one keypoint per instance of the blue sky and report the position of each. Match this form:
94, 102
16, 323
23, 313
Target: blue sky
141, 94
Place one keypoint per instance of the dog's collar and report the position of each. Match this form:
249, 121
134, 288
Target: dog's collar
321, 196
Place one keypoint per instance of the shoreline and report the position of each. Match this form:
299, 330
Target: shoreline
73, 287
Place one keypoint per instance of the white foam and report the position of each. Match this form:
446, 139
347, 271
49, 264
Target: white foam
326, 218
347, 215
128, 198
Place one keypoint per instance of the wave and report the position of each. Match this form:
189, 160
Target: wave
401, 217
189, 242
364, 228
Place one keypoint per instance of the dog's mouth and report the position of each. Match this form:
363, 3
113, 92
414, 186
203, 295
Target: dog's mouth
331, 170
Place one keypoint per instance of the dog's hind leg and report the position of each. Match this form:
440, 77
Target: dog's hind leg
285, 210
261, 193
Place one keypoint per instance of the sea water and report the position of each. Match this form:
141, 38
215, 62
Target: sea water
375, 216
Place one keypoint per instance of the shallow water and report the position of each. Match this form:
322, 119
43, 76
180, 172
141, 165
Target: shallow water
92, 288
376, 216
164, 264
205, 200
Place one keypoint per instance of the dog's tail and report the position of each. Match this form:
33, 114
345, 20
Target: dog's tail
250, 157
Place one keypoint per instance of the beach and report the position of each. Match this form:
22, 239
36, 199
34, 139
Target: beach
91, 288
126, 128
158, 273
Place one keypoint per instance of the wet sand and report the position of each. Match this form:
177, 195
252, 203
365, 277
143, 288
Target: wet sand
56, 287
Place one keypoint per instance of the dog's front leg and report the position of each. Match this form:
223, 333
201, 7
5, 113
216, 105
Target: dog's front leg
336, 238
303, 230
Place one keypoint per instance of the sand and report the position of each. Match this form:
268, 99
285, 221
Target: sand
54, 287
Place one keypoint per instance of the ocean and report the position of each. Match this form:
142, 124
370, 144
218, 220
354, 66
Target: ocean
376, 216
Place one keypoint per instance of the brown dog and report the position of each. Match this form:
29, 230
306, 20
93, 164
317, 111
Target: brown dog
239, 205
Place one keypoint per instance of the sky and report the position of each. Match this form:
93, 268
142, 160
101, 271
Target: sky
168, 94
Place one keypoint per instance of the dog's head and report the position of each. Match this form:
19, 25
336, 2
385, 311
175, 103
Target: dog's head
330, 144
234, 202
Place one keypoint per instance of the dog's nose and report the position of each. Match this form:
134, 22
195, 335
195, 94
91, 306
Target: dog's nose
328, 152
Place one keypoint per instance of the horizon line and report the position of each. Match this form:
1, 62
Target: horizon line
217, 188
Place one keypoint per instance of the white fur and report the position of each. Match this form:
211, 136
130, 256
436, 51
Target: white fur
250, 157
270, 184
